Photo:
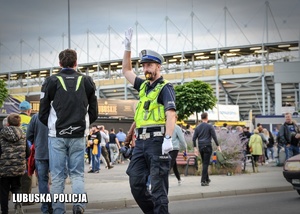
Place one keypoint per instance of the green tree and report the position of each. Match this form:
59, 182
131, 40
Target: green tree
194, 97
3, 92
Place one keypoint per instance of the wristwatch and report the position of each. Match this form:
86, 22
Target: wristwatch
168, 136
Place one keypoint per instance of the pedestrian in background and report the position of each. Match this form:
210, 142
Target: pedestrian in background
204, 133
256, 146
114, 146
269, 145
94, 142
155, 120
178, 141
25, 114
104, 153
189, 130
37, 133
289, 136
121, 137
88, 149
224, 128
12, 161
262, 158
4, 124
265, 132
68, 106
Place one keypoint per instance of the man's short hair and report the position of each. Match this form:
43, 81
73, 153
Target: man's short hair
287, 114
204, 115
14, 119
120, 129
224, 124
67, 58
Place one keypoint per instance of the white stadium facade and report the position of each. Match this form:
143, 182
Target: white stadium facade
241, 75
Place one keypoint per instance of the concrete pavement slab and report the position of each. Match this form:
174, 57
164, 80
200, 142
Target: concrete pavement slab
110, 189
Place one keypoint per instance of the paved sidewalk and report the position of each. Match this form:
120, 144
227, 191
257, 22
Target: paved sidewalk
110, 188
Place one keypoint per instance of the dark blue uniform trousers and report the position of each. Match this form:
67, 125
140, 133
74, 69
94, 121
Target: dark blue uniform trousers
147, 159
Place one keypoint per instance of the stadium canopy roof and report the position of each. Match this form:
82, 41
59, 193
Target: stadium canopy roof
224, 53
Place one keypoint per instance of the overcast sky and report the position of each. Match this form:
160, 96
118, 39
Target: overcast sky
41, 24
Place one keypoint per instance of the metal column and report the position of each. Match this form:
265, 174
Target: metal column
263, 82
278, 98
217, 75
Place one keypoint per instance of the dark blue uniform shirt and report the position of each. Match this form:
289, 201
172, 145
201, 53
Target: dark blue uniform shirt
166, 96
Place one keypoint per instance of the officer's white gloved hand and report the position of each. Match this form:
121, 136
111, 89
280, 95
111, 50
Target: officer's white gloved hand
128, 38
167, 146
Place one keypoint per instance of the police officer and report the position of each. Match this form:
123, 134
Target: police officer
155, 121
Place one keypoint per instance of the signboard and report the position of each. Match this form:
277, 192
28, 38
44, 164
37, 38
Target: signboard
288, 109
229, 112
11, 104
221, 112
106, 107
116, 108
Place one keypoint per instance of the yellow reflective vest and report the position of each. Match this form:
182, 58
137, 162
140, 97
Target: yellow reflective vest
148, 111
25, 120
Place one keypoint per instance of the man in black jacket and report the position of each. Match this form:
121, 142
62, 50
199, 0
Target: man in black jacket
68, 106
289, 135
204, 133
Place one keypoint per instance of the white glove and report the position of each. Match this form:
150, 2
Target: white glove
167, 146
128, 38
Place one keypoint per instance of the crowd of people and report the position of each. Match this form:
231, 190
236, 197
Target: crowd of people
264, 146
263, 143
58, 138
104, 147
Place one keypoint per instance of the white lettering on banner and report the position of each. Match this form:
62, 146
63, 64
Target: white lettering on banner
37, 198
46, 198
70, 198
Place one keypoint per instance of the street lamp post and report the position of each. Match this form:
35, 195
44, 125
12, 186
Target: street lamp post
69, 28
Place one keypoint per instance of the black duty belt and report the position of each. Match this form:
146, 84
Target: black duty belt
149, 132
150, 129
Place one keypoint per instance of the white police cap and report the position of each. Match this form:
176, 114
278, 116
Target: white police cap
151, 56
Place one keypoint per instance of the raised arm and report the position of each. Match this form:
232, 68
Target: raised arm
126, 64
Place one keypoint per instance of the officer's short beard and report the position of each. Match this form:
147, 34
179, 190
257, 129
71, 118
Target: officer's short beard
150, 76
